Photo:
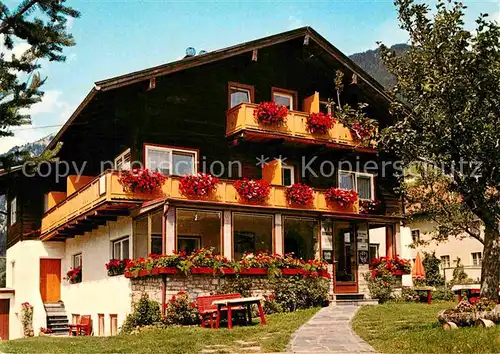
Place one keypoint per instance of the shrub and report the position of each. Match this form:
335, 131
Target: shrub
408, 295
181, 310
270, 305
459, 275
381, 286
298, 293
433, 275
443, 293
146, 312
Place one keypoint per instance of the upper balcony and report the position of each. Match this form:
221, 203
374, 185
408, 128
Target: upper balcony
103, 198
240, 120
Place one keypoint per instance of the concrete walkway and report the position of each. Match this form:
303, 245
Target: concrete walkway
329, 331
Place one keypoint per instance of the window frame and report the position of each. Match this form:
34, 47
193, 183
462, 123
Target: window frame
448, 261
478, 261
171, 150
415, 230
122, 157
74, 257
286, 93
377, 249
273, 229
13, 211
242, 87
120, 240
292, 174
356, 175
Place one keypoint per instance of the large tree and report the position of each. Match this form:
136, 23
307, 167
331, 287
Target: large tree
450, 82
40, 27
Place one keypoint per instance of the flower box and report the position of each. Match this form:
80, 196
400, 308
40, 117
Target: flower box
254, 271
167, 270
201, 270
226, 270
113, 273
399, 272
129, 275
143, 273
290, 271
324, 273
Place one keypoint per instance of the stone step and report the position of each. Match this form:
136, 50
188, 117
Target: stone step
361, 302
350, 296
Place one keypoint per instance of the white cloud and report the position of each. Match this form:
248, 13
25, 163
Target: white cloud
69, 22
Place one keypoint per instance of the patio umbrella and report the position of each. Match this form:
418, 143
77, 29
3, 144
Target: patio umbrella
418, 271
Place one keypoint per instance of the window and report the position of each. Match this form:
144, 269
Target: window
156, 246
362, 183
13, 211
477, 258
170, 161
121, 248
77, 260
197, 229
374, 250
239, 93
445, 261
252, 233
288, 175
301, 237
286, 98
415, 235
122, 161
100, 324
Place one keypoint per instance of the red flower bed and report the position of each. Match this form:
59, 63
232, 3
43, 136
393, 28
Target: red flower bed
343, 197
200, 185
270, 113
319, 122
252, 190
395, 266
141, 179
299, 194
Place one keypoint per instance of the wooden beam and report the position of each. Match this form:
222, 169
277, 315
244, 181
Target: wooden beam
117, 212
255, 54
306, 39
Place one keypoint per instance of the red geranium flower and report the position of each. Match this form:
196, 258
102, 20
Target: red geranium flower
299, 194
343, 197
252, 190
270, 113
141, 179
319, 122
199, 185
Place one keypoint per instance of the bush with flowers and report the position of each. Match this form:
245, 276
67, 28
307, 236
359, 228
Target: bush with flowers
369, 206
380, 287
396, 266
146, 313
116, 266
249, 190
27, 319
343, 197
74, 275
181, 310
141, 179
200, 185
204, 258
319, 122
299, 194
270, 113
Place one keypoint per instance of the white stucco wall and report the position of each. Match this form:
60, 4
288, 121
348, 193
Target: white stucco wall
98, 293
23, 275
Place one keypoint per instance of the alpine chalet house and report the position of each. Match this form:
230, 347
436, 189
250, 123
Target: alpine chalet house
290, 178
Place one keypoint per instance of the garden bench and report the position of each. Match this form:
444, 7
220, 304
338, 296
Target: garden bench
208, 310
425, 289
82, 328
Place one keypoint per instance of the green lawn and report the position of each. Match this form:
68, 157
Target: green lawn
271, 338
413, 328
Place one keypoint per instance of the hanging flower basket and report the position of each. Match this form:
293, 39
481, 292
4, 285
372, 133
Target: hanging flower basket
200, 185
343, 197
141, 180
270, 113
320, 122
299, 194
252, 191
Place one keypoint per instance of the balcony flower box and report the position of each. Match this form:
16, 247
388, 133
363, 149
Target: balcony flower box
143, 273
324, 273
227, 271
201, 270
254, 271
129, 274
291, 271
163, 270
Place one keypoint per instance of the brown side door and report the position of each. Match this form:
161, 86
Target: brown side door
4, 319
50, 280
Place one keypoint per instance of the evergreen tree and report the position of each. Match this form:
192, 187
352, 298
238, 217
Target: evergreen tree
42, 25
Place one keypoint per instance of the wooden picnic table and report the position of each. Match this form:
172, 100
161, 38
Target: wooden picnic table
426, 289
239, 302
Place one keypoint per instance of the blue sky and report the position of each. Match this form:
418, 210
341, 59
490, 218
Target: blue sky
117, 37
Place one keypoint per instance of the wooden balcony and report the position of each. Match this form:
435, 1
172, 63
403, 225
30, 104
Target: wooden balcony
240, 120
104, 198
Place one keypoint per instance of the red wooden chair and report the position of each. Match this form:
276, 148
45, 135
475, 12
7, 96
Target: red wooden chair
208, 311
82, 328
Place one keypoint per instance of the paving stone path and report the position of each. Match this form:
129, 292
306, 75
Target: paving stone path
329, 331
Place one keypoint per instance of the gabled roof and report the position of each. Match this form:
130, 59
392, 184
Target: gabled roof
210, 57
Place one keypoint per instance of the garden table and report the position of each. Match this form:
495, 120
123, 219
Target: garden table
427, 289
235, 303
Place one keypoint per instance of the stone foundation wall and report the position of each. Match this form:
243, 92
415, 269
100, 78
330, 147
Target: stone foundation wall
195, 285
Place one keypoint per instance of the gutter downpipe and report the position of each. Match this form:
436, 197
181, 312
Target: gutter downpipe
163, 250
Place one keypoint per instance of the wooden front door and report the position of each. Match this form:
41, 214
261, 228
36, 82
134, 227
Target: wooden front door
346, 268
50, 280
4, 319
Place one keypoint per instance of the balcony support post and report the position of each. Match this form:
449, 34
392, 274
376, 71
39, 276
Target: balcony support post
226, 235
279, 243
170, 231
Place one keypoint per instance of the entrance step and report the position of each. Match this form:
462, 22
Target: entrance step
354, 302
350, 296
57, 319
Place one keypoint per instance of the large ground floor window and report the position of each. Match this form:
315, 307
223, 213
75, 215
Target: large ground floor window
198, 229
252, 233
301, 237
